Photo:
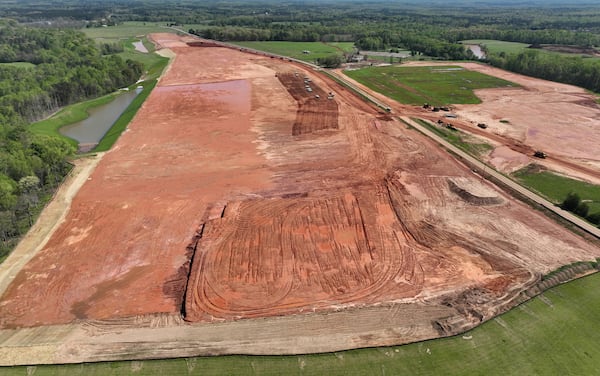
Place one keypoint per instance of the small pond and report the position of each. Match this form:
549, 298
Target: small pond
90, 131
476, 49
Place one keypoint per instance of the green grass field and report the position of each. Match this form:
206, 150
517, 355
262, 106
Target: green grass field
459, 139
553, 335
18, 64
556, 188
343, 46
437, 85
496, 46
295, 49
126, 30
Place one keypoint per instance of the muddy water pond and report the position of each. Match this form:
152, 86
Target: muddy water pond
477, 51
90, 131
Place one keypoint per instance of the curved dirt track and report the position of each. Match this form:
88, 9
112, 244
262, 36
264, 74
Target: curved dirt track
211, 205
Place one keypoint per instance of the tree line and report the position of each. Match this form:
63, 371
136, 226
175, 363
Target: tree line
574, 70
54, 68
575, 205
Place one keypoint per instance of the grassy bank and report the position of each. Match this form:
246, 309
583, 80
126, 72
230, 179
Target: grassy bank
437, 85
459, 139
553, 334
69, 115
556, 188
155, 64
119, 126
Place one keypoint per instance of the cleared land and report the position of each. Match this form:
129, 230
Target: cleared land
436, 85
328, 238
534, 116
555, 332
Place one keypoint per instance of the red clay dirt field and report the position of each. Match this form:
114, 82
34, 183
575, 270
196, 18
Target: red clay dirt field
237, 193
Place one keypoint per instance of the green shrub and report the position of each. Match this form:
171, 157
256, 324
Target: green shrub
571, 202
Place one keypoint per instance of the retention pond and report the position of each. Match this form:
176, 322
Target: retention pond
90, 131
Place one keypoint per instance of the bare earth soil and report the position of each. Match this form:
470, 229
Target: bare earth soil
559, 119
238, 197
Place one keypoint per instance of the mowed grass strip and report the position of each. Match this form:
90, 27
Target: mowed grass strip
554, 334
436, 85
18, 64
556, 187
462, 140
497, 46
296, 49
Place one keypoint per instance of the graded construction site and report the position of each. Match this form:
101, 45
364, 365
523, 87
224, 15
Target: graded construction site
243, 213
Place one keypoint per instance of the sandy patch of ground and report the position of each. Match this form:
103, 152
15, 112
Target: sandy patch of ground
505, 159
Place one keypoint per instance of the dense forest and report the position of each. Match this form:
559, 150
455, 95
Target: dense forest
41, 71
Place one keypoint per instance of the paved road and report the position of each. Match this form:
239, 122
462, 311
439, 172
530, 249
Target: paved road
488, 172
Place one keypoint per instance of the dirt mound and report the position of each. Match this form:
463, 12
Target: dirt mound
474, 192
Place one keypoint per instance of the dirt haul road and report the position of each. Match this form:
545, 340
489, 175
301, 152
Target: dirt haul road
274, 203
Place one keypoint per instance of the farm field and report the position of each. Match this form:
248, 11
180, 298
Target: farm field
437, 85
552, 333
295, 49
128, 29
